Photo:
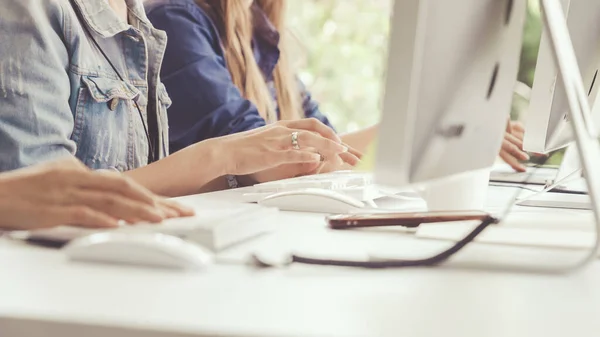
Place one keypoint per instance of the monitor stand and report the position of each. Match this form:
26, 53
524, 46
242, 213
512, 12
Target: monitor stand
586, 135
569, 165
464, 192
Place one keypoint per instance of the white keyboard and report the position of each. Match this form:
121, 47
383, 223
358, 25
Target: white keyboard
534, 176
358, 185
219, 227
558, 200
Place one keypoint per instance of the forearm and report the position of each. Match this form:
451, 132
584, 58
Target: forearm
185, 172
361, 139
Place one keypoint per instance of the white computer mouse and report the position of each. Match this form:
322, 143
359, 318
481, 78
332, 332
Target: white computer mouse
312, 200
142, 249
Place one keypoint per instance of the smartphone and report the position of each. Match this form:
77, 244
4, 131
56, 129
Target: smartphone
404, 219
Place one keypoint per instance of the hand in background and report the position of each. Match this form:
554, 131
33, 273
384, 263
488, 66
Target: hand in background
512, 146
68, 193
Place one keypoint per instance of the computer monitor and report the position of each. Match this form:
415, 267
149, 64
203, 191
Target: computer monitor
451, 70
546, 122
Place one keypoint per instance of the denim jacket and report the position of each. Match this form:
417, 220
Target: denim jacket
60, 96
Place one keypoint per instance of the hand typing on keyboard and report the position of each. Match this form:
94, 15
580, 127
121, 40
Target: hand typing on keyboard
344, 161
332, 165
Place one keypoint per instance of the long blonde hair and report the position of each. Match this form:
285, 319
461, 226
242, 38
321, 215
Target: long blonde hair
233, 19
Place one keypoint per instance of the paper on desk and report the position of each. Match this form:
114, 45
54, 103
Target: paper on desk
506, 235
556, 219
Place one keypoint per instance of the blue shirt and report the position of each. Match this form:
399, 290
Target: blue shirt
206, 102
60, 97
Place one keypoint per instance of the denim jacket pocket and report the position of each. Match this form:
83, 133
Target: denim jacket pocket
164, 104
105, 89
102, 123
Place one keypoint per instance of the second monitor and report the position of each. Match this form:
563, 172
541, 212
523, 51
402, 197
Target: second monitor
451, 70
547, 122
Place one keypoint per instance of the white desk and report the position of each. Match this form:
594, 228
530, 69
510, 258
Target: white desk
41, 294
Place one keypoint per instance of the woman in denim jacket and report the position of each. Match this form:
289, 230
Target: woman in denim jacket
81, 77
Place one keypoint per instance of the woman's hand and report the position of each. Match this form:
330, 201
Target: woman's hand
334, 164
68, 193
272, 147
343, 161
512, 146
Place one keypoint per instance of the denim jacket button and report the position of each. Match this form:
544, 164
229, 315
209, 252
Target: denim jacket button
112, 104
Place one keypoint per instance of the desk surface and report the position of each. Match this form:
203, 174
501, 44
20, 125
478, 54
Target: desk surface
42, 294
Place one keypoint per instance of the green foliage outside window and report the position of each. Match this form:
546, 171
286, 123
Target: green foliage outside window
342, 47
343, 44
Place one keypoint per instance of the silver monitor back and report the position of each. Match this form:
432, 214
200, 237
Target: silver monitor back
451, 70
547, 123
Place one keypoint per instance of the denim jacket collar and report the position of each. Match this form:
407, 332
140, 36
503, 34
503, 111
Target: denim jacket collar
102, 19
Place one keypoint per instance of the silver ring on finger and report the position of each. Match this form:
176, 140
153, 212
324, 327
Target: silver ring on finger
295, 144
